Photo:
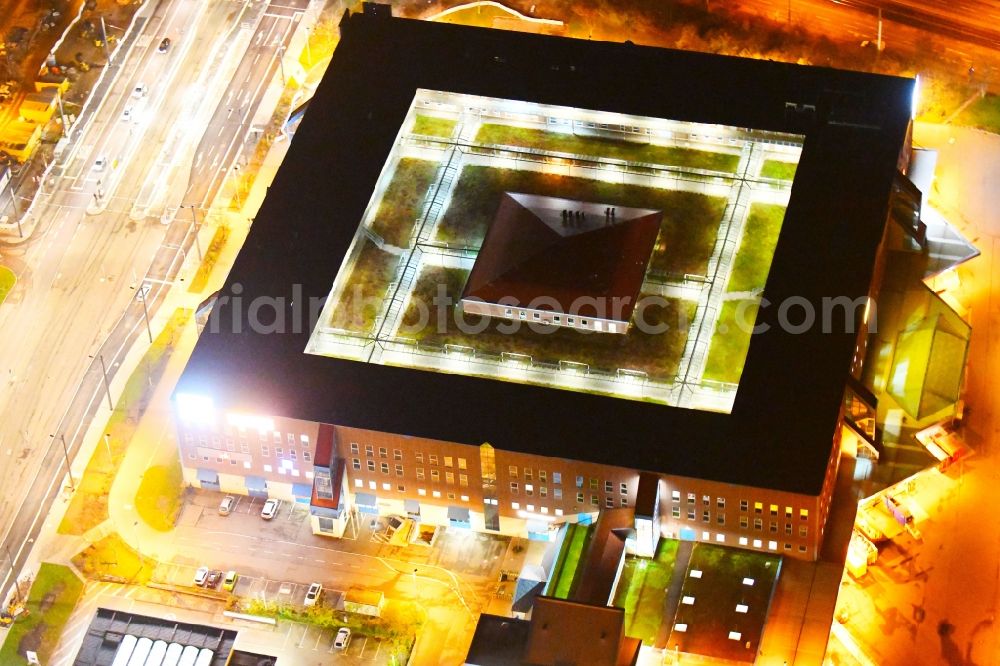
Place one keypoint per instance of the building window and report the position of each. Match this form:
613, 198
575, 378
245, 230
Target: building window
579, 498
462, 463
758, 508
690, 498
557, 478
557, 493
543, 491
788, 546
803, 531
372, 485
773, 527
720, 518
354, 448
559, 512
543, 476
528, 474
744, 522
399, 470
277, 437
264, 451
400, 488
451, 496
675, 495
304, 439
758, 524
513, 487
802, 549
447, 461
358, 483
720, 502
421, 492
464, 498
609, 503
675, 512
788, 512
774, 509
743, 505
609, 486
397, 454
449, 477
463, 480
277, 452
757, 543
230, 444
420, 473
593, 484
706, 516
307, 456
383, 452
804, 514
624, 501
624, 489
387, 487
743, 541
291, 454
432, 459
385, 468
435, 476
419, 456
529, 489
371, 465
515, 505
369, 450
593, 500
706, 500
788, 528
436, 494
512, 471
690, 514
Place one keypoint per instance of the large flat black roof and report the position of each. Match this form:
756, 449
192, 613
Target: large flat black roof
780, 430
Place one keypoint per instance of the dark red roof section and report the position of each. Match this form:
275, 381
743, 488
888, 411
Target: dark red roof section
531, 251
325, 445
599, 569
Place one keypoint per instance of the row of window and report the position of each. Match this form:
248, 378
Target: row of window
537, 316
720, 502
286, 466
744, 541
530, 508
400, 488
397, 454
720, 519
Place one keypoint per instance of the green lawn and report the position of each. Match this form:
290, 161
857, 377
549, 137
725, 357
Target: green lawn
365, 289
655, 354
716, 595
113, 559
564, 573
89, 505
7, 282
983, 113
598, 147
53, 596
687, 233
431, 126
778, 169
403, 199
727, 352
760, 237
642, 591
158, 499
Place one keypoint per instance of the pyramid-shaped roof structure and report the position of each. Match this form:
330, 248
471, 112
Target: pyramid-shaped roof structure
539, 252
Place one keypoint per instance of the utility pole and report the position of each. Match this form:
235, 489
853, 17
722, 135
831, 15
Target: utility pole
143, 290
104, 40
107, 387
62, 112
281, 62
194, 229
69, 467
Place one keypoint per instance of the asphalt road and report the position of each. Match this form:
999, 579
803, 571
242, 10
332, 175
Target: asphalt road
79, 273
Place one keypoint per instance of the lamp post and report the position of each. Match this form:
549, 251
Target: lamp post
69, 468
107, 444
194, 230
281, 63
107, 386
141, 295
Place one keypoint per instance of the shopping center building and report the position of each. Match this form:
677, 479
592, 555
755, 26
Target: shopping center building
499, 276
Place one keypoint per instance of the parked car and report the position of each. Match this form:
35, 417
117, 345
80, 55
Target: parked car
101, 163
164, 45
127, 114
140, 91
343, 638
213, 579
226, 505
270, 509
200, 576
229, 582
312, 595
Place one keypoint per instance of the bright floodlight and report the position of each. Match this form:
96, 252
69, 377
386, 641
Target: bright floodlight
735, 635
742, 608
251, 422
195, 409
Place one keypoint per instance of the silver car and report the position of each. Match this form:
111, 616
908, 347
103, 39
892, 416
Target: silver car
270, 509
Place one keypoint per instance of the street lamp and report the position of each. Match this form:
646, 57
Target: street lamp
194, 229
281, 63
107, 444
107, 386
141, 295
69, 468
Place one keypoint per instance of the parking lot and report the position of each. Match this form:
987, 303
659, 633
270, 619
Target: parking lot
313, 641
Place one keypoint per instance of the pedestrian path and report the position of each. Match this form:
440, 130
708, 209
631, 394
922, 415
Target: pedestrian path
674, 592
